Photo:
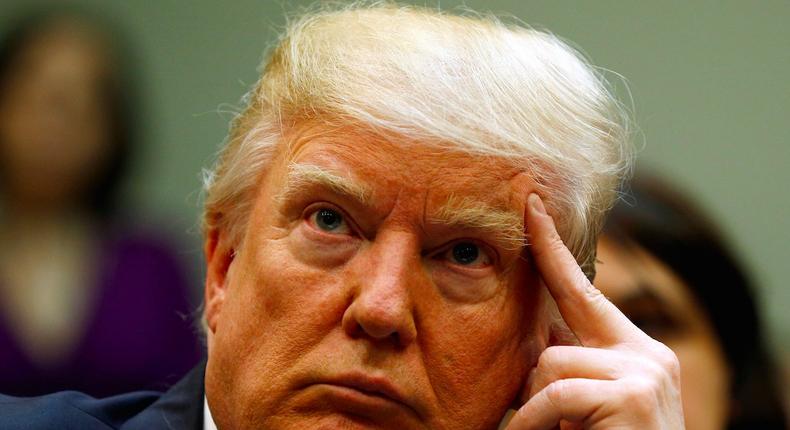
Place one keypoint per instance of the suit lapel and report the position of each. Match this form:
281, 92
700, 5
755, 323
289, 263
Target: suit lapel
180, 408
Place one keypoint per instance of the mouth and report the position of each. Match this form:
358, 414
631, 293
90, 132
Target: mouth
361, 392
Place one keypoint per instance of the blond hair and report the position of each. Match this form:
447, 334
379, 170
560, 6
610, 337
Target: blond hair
461, 82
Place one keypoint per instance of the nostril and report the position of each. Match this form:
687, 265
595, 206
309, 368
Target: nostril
353, 330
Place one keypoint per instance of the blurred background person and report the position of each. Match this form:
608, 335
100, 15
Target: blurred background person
88, 300
663, 263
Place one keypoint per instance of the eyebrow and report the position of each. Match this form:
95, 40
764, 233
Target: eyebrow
644, 293
505, 226
302, 176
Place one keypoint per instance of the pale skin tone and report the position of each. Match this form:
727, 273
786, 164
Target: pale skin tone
660, 303
344, 311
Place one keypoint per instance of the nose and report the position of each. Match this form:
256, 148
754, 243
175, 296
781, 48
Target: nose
382, 308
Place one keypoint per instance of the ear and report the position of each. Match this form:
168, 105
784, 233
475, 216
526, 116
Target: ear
219, 256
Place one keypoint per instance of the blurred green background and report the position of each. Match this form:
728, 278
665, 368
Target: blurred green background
710, 82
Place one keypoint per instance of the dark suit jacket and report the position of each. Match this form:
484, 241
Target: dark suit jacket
180, 408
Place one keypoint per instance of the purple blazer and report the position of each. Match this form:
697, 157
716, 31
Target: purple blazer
139, 336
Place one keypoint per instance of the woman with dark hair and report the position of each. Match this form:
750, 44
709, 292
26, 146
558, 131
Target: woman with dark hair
87, 301
663, 263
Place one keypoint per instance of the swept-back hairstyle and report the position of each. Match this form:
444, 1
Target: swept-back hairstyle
457, 82
669, 226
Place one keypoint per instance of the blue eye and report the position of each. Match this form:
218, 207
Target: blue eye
465, 253
328, 219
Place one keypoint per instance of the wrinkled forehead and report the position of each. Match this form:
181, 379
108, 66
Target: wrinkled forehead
435, 168
423, 183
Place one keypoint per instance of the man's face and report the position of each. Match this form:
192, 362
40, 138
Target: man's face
377, 286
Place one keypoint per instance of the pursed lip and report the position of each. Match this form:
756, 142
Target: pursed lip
372, 386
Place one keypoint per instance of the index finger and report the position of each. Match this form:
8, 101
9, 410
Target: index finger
587, 312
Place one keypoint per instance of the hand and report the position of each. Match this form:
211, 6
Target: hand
619, 379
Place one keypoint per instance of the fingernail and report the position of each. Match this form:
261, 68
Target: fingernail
536, 204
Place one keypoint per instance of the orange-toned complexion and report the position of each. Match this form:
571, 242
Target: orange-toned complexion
327, 295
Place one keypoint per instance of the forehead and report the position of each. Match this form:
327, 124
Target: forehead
393, 166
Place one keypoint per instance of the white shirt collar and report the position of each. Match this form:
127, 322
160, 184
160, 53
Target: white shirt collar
208, 421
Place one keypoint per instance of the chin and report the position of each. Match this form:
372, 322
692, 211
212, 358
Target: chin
331, 421
342, 421
329, 407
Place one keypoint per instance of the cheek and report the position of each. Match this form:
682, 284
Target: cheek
276, 311
281, 294
291, 289
478, 356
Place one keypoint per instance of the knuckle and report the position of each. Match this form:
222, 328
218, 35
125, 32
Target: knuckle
555, 241
595, 296
665, 358
559, 392
598, 302
653, 370
641, 393
548, 357
556, 244
550, 362
553, 244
